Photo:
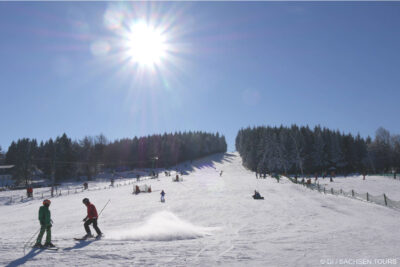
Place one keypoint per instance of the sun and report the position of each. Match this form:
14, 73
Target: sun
146, 45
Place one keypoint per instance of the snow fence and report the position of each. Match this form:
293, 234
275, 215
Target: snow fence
20, 197
383, 199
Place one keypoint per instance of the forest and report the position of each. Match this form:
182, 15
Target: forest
301, 150
63, 158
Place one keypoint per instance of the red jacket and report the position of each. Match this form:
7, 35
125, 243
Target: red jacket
91, 211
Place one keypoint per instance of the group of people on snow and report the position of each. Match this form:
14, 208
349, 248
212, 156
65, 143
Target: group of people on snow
46, 223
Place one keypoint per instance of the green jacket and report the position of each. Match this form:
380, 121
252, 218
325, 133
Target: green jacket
44, 216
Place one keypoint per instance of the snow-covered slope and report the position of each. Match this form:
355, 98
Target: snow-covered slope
207, 220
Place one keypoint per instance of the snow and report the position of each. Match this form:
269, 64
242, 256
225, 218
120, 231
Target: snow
162, 226
207, 220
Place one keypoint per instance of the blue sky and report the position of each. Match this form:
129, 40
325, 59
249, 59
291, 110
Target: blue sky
230, 65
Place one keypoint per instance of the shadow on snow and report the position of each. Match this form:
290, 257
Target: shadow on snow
80, 244
25, 258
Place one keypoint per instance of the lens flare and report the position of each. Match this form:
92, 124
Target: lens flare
145, 44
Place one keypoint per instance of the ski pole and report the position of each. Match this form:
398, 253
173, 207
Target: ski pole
104, 207
30, 239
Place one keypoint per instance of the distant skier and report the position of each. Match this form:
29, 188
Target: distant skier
29, 191
112, 182
85, 186
45, 225
91, 218
220, 174
162, 196
257, 195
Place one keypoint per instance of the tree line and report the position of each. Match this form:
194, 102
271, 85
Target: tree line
63, 158
301, 150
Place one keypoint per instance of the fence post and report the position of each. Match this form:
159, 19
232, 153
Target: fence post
367, 197
324, 189
332, 191
352, 192
384, 196
22, 198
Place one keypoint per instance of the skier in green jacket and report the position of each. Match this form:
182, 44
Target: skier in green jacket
45, 225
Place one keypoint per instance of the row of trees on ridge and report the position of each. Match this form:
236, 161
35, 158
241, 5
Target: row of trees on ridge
63, 158
295, 149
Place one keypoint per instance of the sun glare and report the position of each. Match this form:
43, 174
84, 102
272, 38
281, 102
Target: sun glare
145, 44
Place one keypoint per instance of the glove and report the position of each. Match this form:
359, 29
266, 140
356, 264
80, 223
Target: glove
84, 220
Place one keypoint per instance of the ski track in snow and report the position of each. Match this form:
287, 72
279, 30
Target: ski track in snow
208, 220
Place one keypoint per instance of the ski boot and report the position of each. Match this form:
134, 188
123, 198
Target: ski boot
99, 236
38, 245
49, 245
87, 236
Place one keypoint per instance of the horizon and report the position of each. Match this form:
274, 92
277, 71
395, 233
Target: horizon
138, 69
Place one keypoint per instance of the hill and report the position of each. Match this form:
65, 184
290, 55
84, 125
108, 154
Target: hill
207, 220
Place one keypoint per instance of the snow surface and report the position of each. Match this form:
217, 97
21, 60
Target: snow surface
207, 220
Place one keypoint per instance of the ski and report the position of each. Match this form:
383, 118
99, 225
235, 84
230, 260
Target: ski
46, 248
88, 238
82, 239
54, 248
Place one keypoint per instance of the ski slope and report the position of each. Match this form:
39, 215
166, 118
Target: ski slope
207, 220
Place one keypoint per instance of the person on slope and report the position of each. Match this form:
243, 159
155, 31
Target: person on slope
257, 195
91, 218
45, 225
29, 191
162, 196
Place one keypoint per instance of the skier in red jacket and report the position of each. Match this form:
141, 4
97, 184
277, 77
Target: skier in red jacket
91, 218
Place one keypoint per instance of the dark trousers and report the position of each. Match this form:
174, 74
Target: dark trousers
47, 229
89, 222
